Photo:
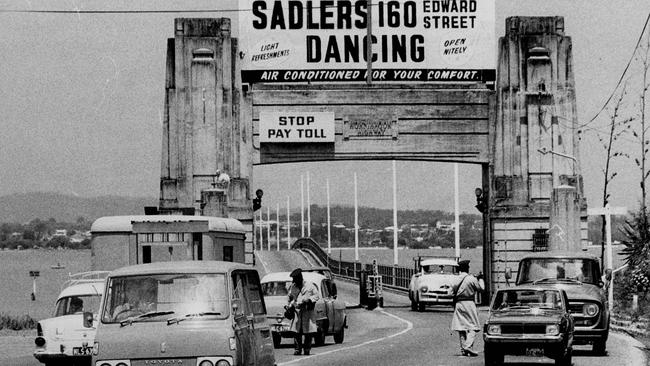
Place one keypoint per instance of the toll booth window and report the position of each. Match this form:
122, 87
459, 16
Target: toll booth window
227, 253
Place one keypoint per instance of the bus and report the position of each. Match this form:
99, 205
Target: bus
119, 241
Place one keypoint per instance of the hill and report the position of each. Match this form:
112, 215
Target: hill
23, 207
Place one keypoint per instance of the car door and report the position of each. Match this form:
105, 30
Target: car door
261, 330
242, 320
327, 300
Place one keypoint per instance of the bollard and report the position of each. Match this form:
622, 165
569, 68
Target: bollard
363, 288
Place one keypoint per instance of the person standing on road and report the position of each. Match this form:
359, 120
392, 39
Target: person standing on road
303, 296
465, 320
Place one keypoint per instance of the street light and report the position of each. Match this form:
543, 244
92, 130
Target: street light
545, 151
481, 200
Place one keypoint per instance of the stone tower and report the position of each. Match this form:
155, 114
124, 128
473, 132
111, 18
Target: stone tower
535, 174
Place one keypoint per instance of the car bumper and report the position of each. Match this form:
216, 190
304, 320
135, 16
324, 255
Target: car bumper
61, 358
429, 298
587, 335
524, 339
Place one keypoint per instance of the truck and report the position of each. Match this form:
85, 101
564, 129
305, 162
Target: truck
579, 275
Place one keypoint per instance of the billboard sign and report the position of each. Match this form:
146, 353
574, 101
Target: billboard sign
281, 127
326, 40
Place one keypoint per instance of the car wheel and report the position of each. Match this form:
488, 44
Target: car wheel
421, 306
492, 356
600, 347
566, 359
339, 336
277, 339
414, 305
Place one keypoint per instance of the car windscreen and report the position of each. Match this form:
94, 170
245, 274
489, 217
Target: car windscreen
276, 288
439, 268
161, 296
515, 298
578, 269
77, 304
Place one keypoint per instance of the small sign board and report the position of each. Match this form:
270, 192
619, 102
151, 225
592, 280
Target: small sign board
288, 126
34, 273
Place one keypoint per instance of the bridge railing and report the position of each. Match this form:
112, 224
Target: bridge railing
394, 277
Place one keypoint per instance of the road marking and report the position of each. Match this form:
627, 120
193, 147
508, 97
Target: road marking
306, 257
266, 269
409, 326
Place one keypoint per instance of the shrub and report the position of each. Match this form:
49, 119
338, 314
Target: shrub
16, 322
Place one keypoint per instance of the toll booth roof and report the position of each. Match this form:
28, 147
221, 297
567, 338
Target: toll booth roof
125, 223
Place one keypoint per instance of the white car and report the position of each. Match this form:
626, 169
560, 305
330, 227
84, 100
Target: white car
330, 311
431, 285
62, 339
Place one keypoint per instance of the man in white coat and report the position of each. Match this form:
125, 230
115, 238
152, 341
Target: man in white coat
303, 296
465, 320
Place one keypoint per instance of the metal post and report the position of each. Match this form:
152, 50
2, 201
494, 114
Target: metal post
456, 212
261, 234
302, 207
277, 225
308, 208
288, 224
395, 230
608, 230
329, 231
268, 227
356, 222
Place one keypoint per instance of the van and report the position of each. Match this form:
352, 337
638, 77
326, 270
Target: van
203, 313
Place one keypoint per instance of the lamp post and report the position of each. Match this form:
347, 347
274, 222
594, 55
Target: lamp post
564, 220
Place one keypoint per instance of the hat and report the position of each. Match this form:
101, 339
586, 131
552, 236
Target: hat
464, 264
296, 272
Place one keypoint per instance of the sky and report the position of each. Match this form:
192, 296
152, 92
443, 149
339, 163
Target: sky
82, 97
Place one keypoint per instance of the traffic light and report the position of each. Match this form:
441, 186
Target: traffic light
257, 201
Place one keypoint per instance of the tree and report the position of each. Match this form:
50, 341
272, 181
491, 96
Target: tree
613, 134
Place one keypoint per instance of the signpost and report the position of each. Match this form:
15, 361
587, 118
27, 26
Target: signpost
608, 211
33, 275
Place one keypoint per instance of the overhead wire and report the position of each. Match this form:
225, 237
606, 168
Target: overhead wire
627, 67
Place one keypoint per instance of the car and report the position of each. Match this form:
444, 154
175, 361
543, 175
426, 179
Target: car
529, 321
331, 318
325, 271
579, 275
183, 313
63, 339
432, 284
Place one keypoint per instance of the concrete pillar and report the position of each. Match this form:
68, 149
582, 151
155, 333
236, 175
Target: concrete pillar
564, 228
214, 202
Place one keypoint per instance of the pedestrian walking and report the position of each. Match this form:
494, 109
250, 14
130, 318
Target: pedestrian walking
465, 320
303, 296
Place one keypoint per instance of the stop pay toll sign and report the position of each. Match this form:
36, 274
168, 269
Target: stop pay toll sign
281, 127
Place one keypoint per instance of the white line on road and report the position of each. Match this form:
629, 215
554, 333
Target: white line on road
266, 269
306, 257
409, 326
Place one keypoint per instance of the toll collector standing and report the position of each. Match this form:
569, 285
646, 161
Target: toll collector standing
465, 320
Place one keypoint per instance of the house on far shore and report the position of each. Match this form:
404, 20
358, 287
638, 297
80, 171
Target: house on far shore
60, 232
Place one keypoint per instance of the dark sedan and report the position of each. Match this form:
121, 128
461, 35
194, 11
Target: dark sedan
529, 321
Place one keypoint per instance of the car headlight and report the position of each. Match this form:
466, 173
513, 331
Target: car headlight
113, 363
552, 329
214, 361
494, 329
590, 309
39, 341
424, 289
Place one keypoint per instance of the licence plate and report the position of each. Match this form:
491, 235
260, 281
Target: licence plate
535, 352
82, 351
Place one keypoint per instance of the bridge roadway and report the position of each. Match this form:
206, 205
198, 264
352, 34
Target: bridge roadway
392, 336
